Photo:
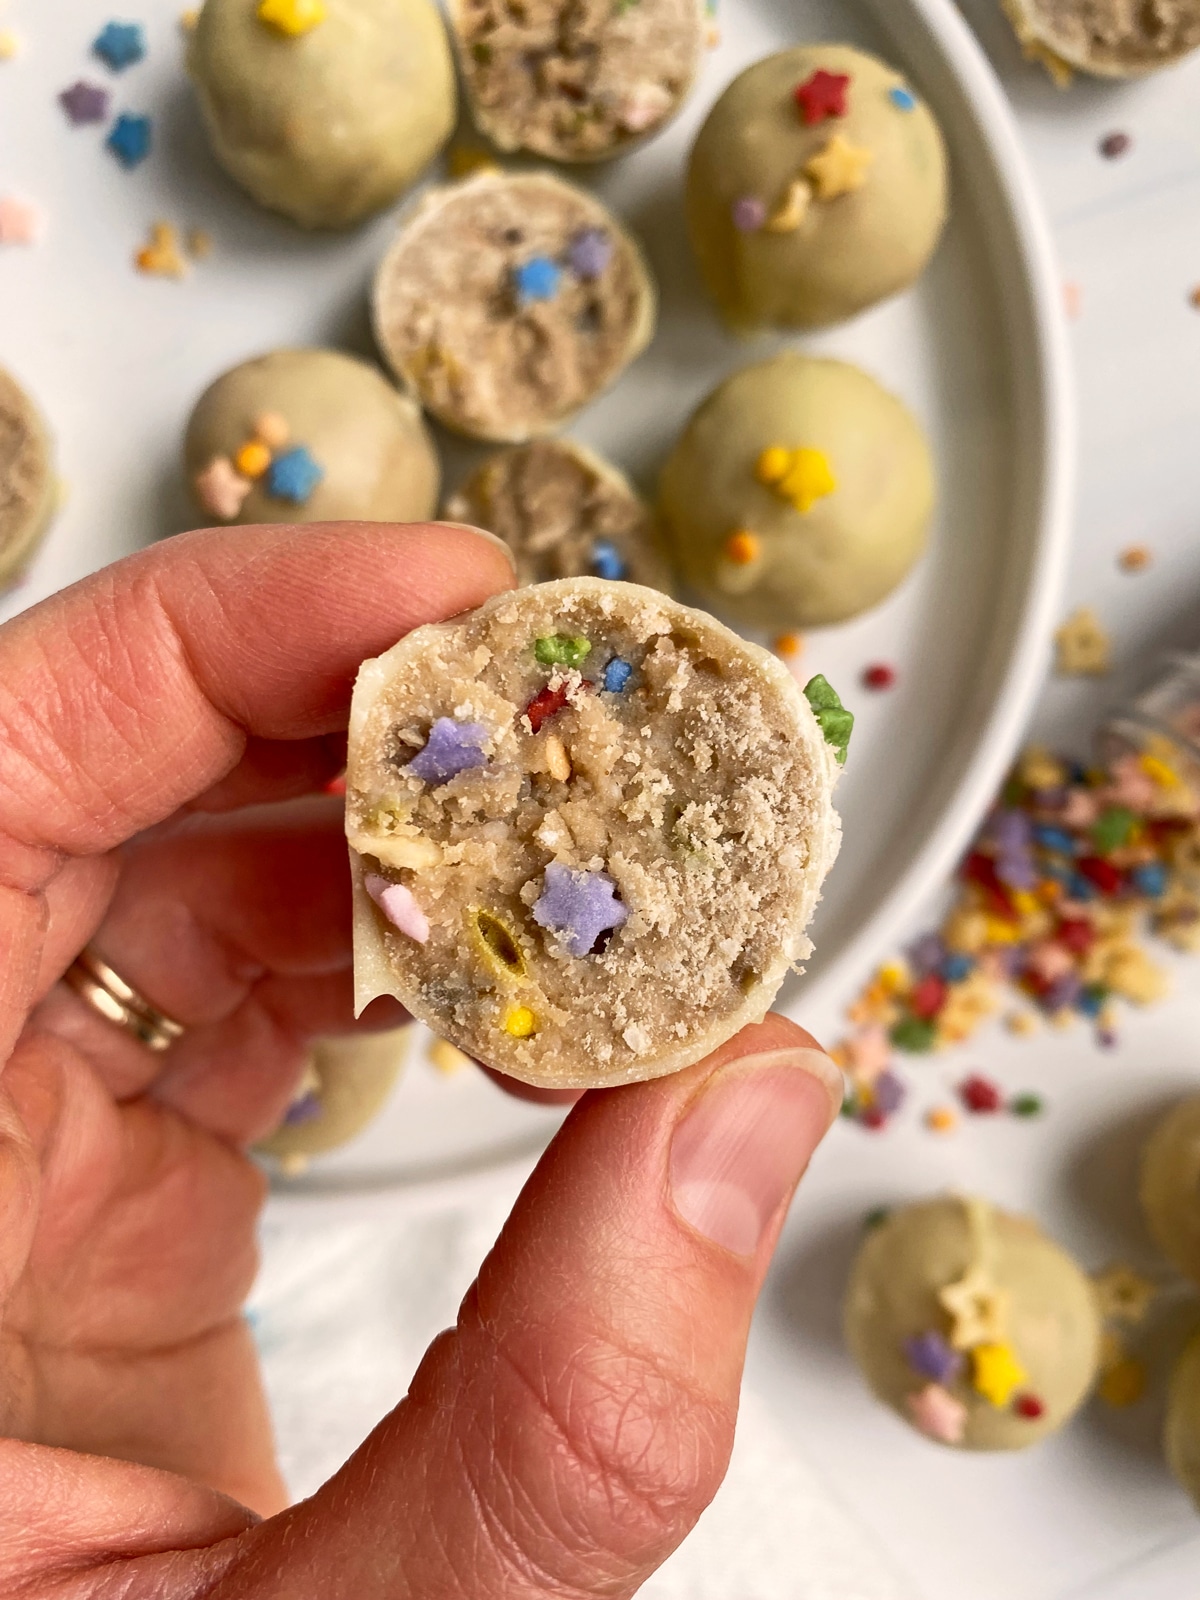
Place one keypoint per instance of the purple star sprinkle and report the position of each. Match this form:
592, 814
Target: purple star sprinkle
306, 1109
84, 102
927, 954
748, 213
589, 253
888, 1093
1011, 830
932, 1357
581, 904
1016, 869
452, 747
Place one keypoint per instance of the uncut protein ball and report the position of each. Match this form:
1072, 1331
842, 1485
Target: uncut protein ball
564, 513
309, 436
816, 187
1170, 1186
971, 1324
28, 485
798, 494
1181, 1432
575, 82
343, 1089
588, 828
332, 122
508, 301
1108, 38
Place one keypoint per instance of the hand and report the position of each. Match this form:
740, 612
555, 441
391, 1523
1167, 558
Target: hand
165, 730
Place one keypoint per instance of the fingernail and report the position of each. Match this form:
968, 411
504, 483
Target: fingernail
482, 533
745, 1141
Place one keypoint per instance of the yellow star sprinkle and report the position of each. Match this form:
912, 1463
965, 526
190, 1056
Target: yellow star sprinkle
802, 476
977, 1309
520, 1022
840, 168
996, 1372
292, 17
161, 256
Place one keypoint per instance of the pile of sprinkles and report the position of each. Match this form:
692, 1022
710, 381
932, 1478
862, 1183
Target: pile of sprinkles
1071, 867
288, 471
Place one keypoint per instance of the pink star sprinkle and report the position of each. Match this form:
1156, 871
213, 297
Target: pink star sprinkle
398, 906
220, 489
937, 1414
868, 1054
19, 221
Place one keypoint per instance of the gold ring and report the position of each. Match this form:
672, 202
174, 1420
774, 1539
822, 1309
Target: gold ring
95, 982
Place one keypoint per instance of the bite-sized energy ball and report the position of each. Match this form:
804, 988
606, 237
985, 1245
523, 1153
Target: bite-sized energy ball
1181, 1431
576, 80
309, 436
588, 828
1108, 38
1170, 1186
343, 1089
798, 494
326, 113
816, 187
508, 301
28, 485
564, 513
971, 1324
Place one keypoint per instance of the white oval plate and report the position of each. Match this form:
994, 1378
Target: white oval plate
977, 349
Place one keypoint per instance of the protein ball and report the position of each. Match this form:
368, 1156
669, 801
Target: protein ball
330, 123
816, 187
28, 485
799, 494
575, 82
564, 512
343, 1089
971, 1324
309, 436
588, 828
1170, 1186
510, 300
1181, 1431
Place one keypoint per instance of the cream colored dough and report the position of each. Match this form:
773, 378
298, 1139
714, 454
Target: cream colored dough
1181, 1433
335, 123
846, 252
369, 440
1170, 1186
851, 547
28, 486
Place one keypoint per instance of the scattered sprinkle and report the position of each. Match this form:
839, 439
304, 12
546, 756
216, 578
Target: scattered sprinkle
220, 489
996, 1372
941, 1119
1027, 1105
188, 20
84, 102
253, 459
399, 906
834, 721
1073, 300
1123, 1294
589, 252
936, 1413
520, 1022
875, 1218
1194, 297
879, 676
903, 99
823, 95
129, 139
536, 279
742, 548
1029, 1407
291, 17
1115, 145
748, 213
1082, 648
582, 905
607, 561
789, 645
840, 168
120, 45
801, 476
161, 257
20, 223
1134, 558
980, 1095
294, 475
447, 1058
1123, 1384
562, 650
452, 747
616, 675
930, 1355
792, 209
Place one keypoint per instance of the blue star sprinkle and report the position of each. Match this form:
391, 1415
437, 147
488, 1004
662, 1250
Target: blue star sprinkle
84, 102
294, 475
903, 99
616, 675
129, 140
451, 747
583, 905
120, 44
537, 279
606, 560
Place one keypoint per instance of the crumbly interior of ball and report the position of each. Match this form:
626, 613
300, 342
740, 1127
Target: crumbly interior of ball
560, 515
484, 356
691, 791
25, 479
574, 79
1144, 28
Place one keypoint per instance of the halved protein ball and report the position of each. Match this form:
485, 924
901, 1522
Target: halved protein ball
28, 485
588, 829
1107, 38
325, 113
309, 436
816, 187
799, 493
508, 301
564, 513
573, 80
973, 1325
342, 1091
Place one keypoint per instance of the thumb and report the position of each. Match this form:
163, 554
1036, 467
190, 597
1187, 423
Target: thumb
563, 1438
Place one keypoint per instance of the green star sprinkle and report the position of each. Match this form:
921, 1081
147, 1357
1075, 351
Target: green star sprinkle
834, 721
1027, 1105
914, 1034
560, 650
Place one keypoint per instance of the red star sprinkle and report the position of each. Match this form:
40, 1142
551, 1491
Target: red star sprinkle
1029, 1407
823, 95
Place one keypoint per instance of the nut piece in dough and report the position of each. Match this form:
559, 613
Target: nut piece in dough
816, 187
28, 486
564, 512
333, 123
1108, 38
309, 436
1170, 1186
588, 828
344, 1088
971, 1324
509, 301
576, 80
799, 494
